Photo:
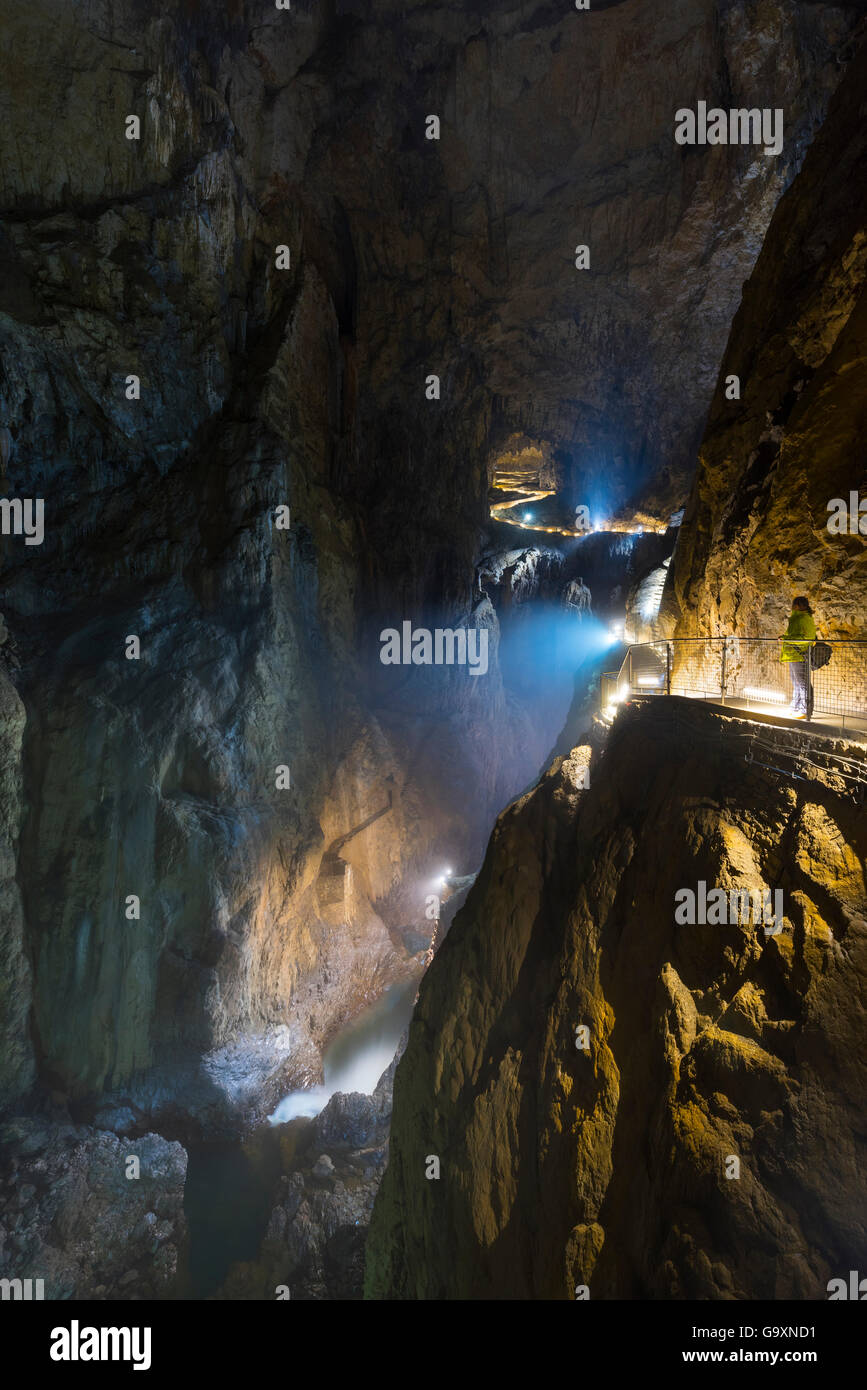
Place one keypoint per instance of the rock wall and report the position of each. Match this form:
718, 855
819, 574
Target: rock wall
259, 648
17, 1066
755, 532
330, 1169
606, 1166
261, 387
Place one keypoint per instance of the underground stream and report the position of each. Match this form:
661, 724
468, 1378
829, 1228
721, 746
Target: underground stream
230, 1186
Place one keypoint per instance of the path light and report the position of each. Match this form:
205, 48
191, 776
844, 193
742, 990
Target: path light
759, 692
528, 516
622, 693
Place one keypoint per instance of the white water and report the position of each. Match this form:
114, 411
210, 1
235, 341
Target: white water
358, 1056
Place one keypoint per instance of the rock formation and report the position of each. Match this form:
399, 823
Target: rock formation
603, 1163
167, 386
605, 1166
756, 529
17, 1064
74, 1214
330, 1169
215, 334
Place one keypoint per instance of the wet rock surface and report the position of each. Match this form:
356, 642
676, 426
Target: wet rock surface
331, 1169
17, 1062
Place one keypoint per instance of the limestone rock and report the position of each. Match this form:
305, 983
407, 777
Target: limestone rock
316, 1234
755, 532
71, 1215
606, 1165
17, 1063
261, 387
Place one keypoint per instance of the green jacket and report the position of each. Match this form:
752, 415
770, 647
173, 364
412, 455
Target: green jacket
801, 625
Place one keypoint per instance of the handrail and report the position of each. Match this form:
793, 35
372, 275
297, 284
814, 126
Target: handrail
750, 670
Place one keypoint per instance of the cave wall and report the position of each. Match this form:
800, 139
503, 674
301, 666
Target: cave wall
566, 1169
158, 778
305, 387
17, 1063
755, 532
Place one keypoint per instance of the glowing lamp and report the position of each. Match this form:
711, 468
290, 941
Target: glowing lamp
760, 692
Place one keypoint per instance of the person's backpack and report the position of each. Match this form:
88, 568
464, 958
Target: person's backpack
820, 655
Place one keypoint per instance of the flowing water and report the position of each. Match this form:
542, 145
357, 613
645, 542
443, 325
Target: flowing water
230, 1187
228, 1196
358, 1056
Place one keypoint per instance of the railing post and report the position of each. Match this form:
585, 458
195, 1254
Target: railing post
722, 693
668, 668
808, 665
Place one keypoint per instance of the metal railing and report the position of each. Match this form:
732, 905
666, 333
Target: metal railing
744, 670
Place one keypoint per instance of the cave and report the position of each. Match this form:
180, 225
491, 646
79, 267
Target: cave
433, 662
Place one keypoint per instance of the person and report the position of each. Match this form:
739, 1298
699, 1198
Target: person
799, 637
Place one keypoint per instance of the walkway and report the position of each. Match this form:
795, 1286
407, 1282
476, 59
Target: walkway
745, 674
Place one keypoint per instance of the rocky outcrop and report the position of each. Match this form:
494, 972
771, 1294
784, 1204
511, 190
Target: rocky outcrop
643, 603
77, 1213
756, 531
172, 378
260, 387
330, 1172
604, 1159
703, 1137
